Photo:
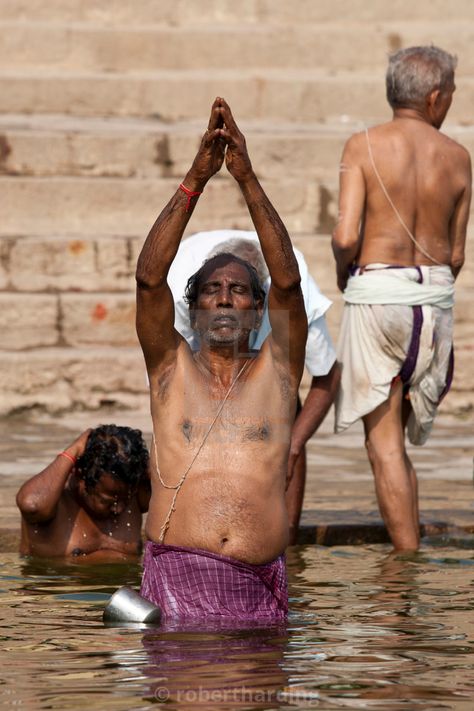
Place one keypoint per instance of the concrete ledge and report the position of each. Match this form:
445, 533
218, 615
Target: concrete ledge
339, 534
352, 532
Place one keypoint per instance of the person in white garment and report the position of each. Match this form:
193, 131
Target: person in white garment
320, 357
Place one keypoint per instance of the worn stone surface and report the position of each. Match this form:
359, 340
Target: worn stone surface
305, 96
28, 320
57, 379
100, 319
123, 13
74, 206
149, 148
26, 45
70, 264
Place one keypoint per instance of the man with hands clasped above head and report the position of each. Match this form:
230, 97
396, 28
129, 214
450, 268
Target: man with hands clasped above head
222, 415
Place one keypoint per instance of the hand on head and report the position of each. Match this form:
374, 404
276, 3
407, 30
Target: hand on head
222, 137
78, 447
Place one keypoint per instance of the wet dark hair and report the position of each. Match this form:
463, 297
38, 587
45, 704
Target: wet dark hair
118, 451
191, 291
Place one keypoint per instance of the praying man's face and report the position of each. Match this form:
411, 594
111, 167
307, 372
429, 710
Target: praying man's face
225, 311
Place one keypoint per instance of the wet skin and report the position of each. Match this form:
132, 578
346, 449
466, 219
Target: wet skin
107, 518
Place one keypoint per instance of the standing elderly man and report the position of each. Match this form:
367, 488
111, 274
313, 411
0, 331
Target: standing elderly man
320, 360
399, 245
222, 415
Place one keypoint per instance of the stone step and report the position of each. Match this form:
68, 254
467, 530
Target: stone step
84, 48
117, 147
68, 264
52, 145
79, 207
58, 379
289, 95
115, 207
279, 12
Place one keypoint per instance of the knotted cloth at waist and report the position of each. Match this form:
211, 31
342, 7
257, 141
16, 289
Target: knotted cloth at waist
410, 286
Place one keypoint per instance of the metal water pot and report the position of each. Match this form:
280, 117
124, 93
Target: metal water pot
126, 605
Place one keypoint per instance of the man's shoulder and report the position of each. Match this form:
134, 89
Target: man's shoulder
355, 142
458, 150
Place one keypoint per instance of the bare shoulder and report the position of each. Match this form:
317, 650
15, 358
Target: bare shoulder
459, 158
354, 146
461, 153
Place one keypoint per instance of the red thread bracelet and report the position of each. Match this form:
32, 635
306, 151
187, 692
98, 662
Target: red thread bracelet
190, 194
68, 456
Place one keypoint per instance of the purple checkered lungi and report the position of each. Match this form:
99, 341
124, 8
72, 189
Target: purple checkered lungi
195, 583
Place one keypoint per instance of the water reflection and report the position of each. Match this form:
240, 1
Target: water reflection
228, 668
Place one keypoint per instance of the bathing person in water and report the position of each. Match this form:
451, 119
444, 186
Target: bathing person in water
89, 500
222, 415
399, 245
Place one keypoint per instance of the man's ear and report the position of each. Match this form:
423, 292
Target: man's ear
433, 98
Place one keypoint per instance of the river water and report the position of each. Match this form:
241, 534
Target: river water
366, 630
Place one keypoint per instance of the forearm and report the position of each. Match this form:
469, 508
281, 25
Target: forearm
345, 257
274, 239
165, 236
38, 498
315, 408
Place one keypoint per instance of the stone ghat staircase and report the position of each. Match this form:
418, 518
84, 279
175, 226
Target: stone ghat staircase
102, 106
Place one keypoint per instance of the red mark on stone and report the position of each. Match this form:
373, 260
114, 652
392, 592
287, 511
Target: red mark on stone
77, 246
99, 313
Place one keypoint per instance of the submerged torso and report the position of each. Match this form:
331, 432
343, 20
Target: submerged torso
73, 532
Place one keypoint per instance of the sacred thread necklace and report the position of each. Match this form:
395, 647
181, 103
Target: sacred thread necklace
177, 487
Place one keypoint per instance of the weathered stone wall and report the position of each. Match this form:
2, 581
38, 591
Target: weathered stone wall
101, 109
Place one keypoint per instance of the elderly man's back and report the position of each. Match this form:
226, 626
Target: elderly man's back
419, 168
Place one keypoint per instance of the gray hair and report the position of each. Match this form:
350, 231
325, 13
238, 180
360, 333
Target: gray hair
247, 250
415, 72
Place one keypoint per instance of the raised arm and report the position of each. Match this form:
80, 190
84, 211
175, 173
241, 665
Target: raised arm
38, 498
155, 308
352, 192
285, 301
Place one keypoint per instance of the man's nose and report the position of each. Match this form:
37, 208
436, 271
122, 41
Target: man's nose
224, 297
